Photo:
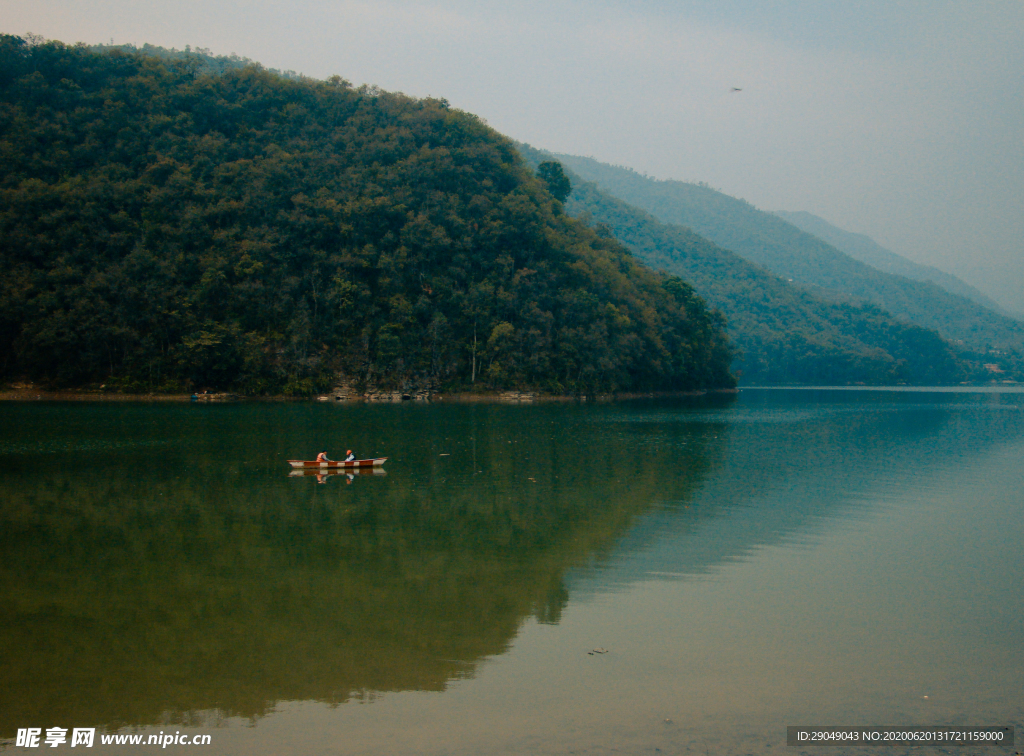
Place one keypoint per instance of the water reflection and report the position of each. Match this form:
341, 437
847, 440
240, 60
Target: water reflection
795, 461
147, 576
159, 578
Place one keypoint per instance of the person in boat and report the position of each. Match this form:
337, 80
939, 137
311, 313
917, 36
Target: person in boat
351, 457
322, 457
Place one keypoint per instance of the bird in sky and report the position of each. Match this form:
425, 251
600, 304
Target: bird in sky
737, 89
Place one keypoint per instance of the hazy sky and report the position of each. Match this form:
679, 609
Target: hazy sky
901, 120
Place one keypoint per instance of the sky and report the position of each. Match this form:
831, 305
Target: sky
900, 119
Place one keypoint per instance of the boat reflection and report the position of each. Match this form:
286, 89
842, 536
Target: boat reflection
349, 473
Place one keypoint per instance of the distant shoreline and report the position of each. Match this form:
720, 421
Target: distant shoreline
494, 397
499, 397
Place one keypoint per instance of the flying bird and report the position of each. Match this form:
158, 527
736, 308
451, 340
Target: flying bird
737, 89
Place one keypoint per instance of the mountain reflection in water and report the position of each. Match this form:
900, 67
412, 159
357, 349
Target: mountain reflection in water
186, 571
159, 561
793, 461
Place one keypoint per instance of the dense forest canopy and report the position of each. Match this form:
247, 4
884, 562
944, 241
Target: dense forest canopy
168, 225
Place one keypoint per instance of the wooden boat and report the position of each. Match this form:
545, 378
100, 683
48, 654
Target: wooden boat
300, 464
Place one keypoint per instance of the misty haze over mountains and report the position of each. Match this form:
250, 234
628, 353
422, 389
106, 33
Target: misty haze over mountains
867, 250
802, 258
798, 309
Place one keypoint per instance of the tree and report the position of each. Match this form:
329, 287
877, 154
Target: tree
551, 173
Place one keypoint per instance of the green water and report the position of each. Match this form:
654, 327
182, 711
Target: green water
748, 562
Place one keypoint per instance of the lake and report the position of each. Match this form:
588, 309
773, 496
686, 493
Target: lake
674, 576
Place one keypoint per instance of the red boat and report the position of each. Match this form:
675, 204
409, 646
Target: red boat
314, 465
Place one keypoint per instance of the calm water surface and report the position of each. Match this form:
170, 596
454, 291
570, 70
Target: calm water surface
747, 562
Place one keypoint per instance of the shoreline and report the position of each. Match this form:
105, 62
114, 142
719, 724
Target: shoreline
377, 397
457, 397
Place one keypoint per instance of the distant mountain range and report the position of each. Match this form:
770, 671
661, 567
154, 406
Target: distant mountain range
800, 310
802, 258
867, 250
785, 334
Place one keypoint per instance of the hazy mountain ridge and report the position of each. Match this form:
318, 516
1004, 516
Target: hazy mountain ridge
792, 253
785, 333
862, 247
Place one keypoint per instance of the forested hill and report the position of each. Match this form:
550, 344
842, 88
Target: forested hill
867, 250
784, 334
165, 226
787, 251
